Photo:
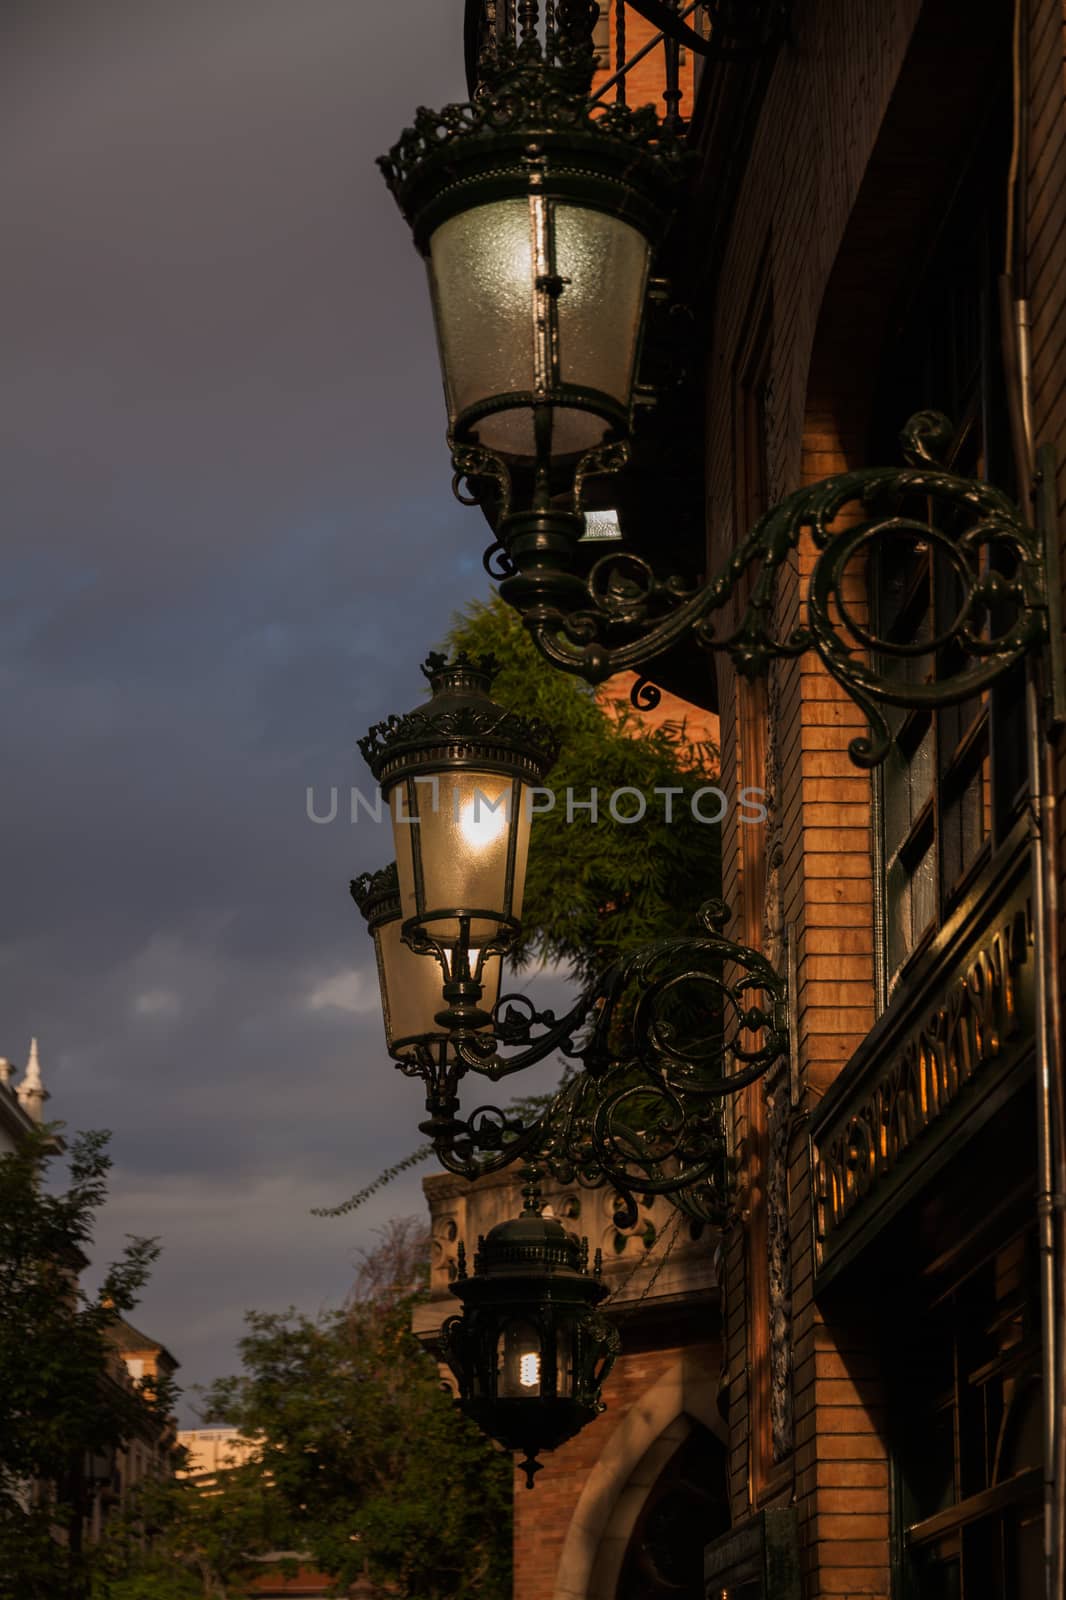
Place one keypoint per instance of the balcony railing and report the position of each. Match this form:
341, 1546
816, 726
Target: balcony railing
644, 48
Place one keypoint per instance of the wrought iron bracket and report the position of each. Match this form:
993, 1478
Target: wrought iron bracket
668, 1035
625, 614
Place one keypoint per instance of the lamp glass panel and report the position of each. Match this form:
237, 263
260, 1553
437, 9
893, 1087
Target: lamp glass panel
520, 1362
462, 838
412, 985
481, 274
599, 310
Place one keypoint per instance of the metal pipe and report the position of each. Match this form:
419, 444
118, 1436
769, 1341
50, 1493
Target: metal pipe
1051, 1111
1049, 1196
1010, 325
1023, 350
1052, 957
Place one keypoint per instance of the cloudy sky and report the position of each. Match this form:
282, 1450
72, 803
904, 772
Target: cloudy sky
228, 540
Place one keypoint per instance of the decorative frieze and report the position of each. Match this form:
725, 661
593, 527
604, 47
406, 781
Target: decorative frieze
910, 1081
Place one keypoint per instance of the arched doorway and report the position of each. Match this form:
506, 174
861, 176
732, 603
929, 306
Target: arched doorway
686, 1508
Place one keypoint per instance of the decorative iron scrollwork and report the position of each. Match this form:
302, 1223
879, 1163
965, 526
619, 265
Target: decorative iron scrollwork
970, 527
669, 1033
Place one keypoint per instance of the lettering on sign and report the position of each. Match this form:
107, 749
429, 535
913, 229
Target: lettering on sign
977, 1018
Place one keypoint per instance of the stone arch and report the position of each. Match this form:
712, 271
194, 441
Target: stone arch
625, 1473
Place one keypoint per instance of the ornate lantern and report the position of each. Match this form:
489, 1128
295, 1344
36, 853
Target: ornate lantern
530, 1351
458, 776
538, 214
410, 985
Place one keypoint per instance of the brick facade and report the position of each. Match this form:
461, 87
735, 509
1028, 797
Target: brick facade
823, 228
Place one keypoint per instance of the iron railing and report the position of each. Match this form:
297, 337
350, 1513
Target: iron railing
722, 29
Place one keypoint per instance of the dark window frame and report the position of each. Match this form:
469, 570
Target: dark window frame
954, 785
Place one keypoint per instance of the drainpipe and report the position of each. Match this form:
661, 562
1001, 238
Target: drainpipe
1049, 1146
1051, 1123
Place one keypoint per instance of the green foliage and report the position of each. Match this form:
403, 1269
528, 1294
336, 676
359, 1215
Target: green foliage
186, 1540
599, 890
415, 1159
59, 1407
365, 1464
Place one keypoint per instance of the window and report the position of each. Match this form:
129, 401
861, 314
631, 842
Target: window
955, 780
970, 1436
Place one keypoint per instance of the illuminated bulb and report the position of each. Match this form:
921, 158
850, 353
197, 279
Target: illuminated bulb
529, 1370
480, 824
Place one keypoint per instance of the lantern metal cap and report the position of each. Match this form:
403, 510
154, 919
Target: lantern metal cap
528, 1250
377, 894
461, 726
529, 1241
532, 121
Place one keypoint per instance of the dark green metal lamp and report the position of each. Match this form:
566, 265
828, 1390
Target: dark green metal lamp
530, 1351
457, 775
538, 214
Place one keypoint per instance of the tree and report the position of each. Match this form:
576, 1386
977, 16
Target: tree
624, 883
60, 1406
364, 1464
186, 1540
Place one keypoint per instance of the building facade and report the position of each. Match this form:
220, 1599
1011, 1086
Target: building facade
136, 1360
883, 1306
877, 227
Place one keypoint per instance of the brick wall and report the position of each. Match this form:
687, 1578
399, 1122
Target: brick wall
544, 1536
816, 136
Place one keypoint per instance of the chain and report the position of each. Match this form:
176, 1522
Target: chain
629, 1311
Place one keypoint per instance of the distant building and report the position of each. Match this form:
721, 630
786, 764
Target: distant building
21, 1105
209, 1451
150, 1453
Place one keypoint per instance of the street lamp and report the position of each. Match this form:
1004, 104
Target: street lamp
458, 776
530, 1351
410, 985
662, 1038
538, 214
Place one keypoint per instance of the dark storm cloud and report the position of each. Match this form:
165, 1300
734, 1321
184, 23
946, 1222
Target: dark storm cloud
227, 541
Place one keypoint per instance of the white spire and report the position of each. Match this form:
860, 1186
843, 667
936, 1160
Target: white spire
31, 1091
5, 1071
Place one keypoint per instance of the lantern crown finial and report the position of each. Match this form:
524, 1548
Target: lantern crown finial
461, 670
376, 893
531, 1192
